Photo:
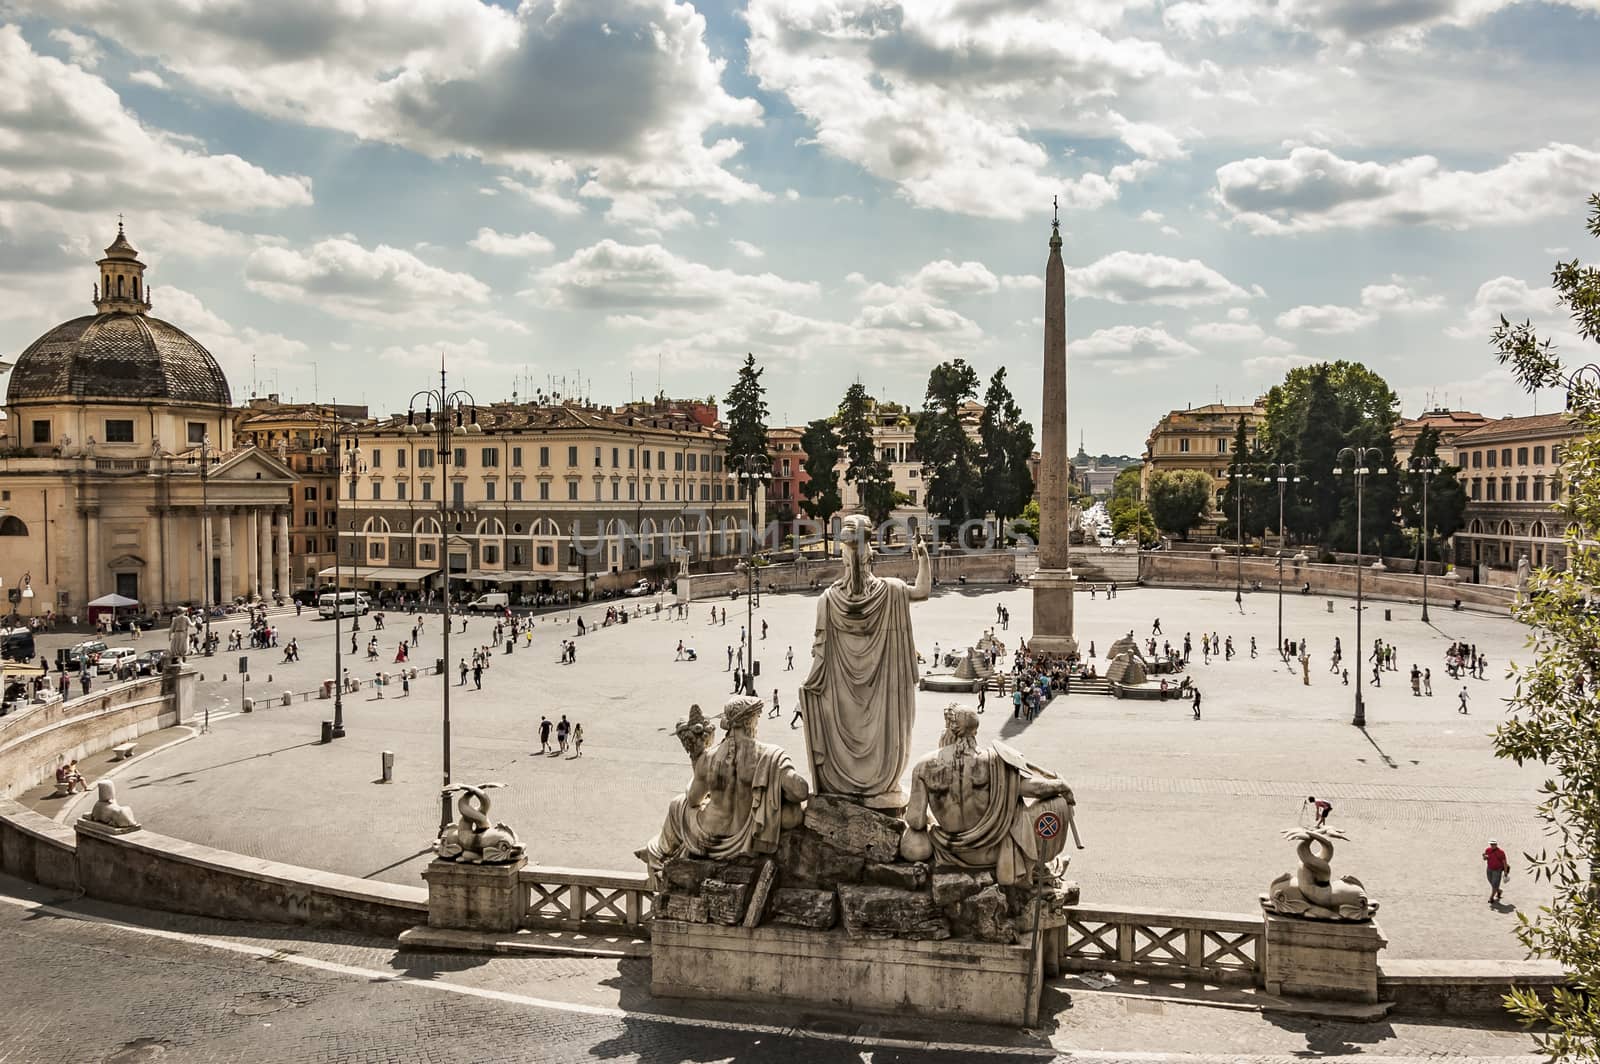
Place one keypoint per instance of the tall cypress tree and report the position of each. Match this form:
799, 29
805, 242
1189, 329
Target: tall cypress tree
953, 484
820, 493
866, 469
747, 412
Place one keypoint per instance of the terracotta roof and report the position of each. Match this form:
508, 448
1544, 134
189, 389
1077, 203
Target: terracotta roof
1514, 427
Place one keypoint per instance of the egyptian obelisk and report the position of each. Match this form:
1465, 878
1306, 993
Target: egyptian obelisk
1053, 583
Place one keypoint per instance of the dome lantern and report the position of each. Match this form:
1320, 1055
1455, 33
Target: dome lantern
121, 287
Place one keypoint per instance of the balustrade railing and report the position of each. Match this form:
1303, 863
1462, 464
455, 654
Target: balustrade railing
582, 899
1216, 947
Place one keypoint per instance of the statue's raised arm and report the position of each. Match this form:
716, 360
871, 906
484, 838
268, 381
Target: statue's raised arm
924, 585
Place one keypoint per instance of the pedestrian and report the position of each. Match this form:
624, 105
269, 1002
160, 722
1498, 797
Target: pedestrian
736, 683
544, 734
775, 711
1496, 864
788, 660
1416, 681
563, 731
1155, 626
1196, 702
1346, 676
577, 739
1427, 682
1016, 702
763, 628
730, 659
1227, 649
463, 682
679, 656
477, 677
1322, 808
1252, 648
982, 693
1463, 707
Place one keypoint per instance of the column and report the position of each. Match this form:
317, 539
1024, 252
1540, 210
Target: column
207, 545
283, 552
1052, 585
155, 594
92, 566
225, 551
263, 522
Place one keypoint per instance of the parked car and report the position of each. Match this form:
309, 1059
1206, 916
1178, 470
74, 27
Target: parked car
490, 600
113, 659
642, 588
150, 663
73, 658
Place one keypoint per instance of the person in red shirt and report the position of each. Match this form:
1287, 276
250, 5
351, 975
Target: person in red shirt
1323, 808
1495, 862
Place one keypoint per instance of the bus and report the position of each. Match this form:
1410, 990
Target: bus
348, 603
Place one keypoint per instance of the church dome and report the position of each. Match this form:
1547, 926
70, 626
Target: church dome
120, 353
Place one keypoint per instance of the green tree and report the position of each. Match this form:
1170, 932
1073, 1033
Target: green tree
1555, 712
1006, 441
952, 484
1244, 495
866, 468
1447, 496
1179, 499
1029, 520
747, 412
1135, 522
819, 495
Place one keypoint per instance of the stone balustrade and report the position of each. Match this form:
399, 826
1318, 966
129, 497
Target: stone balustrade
1156, 944
582, 899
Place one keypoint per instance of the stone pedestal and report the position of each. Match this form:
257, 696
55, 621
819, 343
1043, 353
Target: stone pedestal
1052, 612
178, 683
1323, 959
474, 897
975, 981
685, 589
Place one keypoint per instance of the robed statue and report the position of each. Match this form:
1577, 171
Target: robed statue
742, 795
859, 701
986, 806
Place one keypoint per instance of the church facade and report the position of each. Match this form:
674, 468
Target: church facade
119, 472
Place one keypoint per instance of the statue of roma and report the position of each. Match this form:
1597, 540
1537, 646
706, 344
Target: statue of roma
859, 701
742, 794
984, 804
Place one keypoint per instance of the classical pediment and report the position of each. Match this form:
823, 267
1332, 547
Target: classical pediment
254, 464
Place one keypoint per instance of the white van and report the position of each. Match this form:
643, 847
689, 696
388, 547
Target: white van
490, 600
345, 604
111, 659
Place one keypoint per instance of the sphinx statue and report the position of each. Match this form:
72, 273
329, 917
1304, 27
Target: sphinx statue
110, 812
474, 839
742, 795
984, 804
1310, 890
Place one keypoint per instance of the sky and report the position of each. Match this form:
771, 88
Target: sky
609, 197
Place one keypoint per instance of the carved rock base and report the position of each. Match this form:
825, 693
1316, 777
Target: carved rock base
886, 912
474, 897
1321, 958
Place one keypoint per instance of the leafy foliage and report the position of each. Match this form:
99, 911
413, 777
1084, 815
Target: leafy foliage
866, 469
1245, 496
1555, 712
1177, 500
953, 485
819, 495
1134, 521
1446, 499
747, 412
1007, 445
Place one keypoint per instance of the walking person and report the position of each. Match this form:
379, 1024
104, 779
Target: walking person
1496, 865
794, 721
544, 734
788, 660
1463, 706
1416, 681
563, 731
577, 740
1427, 682
1155, 626
1252, 648
463, 682
774, 711
1197, 703
982, 693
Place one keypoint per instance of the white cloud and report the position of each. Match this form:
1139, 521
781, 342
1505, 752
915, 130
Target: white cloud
1518, 301
1314, 189
1227, 332
232, 347
1326, 318
1275, 365
148, 78
1399, 25
84, 51
747, 249
1153, 217
462, 355
97, 154
1398, 299
382, 285
1132, 348
511, 246
465, 77
947, 104
613, 276
1139, 277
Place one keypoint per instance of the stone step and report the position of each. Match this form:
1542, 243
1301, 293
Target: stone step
550, 942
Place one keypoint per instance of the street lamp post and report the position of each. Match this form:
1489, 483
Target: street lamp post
1358, 457
456, 410
207, 459
347, 461
1238, 476
1280, 472
753, 470
1427, 467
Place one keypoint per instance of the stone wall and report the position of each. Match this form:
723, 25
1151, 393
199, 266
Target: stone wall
34, 741
1462, 988
1182, 569
985, 567
158, 872
36, 848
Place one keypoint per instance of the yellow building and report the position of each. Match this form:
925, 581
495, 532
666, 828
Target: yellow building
1200, 438
539, 498
119, 471
1512, 472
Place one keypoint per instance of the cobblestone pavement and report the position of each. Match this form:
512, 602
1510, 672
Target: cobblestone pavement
1174, 812
90, 982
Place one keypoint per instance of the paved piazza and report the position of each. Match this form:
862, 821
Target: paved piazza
1175, 813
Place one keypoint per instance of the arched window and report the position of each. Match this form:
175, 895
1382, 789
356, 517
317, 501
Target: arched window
119, 285
11, 525
136, 288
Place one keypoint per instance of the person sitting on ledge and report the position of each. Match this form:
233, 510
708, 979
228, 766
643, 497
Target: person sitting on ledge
67, 774
1305, 588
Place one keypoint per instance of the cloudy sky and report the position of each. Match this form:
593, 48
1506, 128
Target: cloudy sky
614, 192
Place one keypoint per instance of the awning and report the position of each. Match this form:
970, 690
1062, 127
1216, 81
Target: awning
114, 601
393, 573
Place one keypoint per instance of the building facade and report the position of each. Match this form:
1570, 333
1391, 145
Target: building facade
539, 499
120, 471
1447, 423
784, 494
300, 436
1513, 476
1200, 438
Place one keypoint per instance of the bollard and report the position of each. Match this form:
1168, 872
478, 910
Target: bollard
510, 645
286, 698
1330, 605
1386, 615
327, 731
388, 766
327, 689
249, 705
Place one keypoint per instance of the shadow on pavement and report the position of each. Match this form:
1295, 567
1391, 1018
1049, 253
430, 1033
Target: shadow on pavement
150, 781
